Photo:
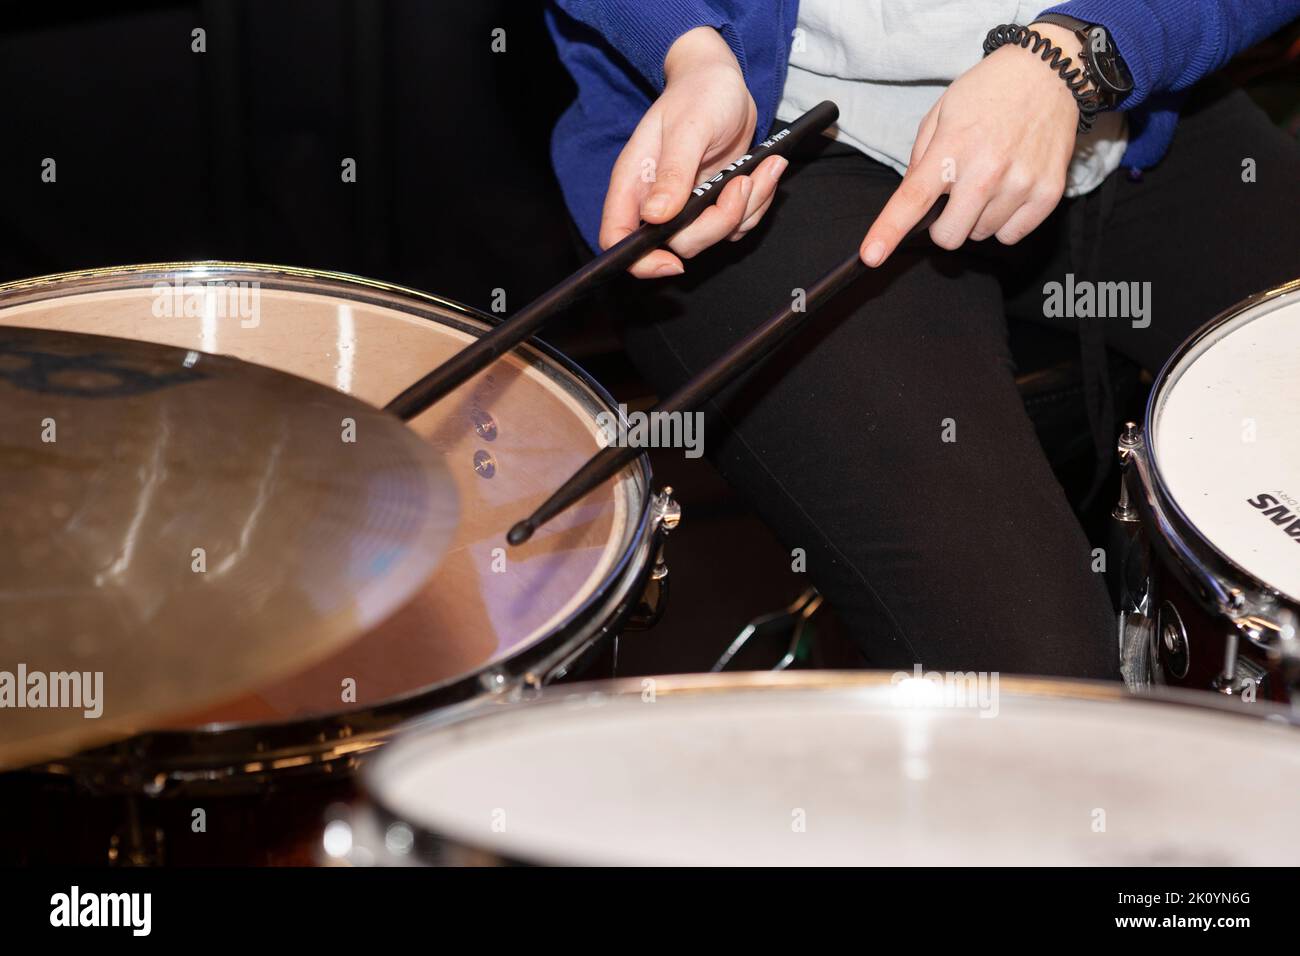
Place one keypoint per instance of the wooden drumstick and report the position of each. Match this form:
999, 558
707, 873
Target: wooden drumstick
486, 349
741, 356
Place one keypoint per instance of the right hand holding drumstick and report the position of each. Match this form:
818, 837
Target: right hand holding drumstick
703, 120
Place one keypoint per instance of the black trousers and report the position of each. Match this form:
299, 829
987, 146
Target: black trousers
888, 440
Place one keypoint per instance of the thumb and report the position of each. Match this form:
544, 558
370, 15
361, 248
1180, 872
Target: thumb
682, 151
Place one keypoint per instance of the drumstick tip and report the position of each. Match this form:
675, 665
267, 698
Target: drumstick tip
521, 532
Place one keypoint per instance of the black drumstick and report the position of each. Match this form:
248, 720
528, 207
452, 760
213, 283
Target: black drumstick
486, 349
724, 369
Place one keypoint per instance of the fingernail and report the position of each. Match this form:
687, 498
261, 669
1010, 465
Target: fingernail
778, 167
656, 206
875, 253
668, 269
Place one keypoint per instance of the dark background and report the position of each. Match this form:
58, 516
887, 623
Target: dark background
235, 153
167, 154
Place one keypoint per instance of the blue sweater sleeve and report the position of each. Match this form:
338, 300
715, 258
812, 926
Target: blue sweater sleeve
642, 32
1171, 45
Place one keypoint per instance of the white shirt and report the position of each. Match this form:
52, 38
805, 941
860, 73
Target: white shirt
886, 62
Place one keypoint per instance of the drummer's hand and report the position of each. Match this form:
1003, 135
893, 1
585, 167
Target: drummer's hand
999, 141
703, 120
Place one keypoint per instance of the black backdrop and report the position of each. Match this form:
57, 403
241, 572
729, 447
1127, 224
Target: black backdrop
163, 153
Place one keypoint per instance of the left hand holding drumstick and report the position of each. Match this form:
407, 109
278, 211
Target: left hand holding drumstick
704, 118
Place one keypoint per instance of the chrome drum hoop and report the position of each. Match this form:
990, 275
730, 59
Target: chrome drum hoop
235, 757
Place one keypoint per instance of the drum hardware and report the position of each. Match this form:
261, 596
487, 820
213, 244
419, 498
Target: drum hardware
654, 599
1156, 647
1173, 651
753, 348
793, 619
1129, 578
615, 260
1189, 611
1128, 442
1241, 676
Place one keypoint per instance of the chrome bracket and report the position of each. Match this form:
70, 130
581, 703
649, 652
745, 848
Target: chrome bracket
1128, 442
665, 515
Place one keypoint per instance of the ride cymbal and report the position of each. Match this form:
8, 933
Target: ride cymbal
178, 527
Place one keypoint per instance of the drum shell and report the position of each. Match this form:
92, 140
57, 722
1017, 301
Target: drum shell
97, 813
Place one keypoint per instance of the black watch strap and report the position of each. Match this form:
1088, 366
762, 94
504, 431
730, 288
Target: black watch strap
1101, 62
1061, 20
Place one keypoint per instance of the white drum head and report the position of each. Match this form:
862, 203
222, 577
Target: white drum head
1226, 439
829, 769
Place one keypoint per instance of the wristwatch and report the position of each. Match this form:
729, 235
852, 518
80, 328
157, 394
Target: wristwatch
1105, 69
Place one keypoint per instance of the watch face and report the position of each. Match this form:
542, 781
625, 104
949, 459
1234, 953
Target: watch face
1108, 68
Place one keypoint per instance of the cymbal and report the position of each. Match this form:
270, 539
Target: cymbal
178, 527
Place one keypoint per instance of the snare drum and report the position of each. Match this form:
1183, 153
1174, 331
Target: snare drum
1208, 522
492, 617
834, 768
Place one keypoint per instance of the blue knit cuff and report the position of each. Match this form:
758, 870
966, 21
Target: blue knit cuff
1146, 37
643, 32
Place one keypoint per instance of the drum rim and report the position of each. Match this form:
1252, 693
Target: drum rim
268, 747
432, 846
1215, 566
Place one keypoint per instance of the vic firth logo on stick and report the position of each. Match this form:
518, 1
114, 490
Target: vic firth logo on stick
1288, 519
708, 184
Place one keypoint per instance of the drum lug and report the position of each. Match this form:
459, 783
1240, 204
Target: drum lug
665, 515
1239, 676
654, 599
665, 512
1128, 442
1129, 575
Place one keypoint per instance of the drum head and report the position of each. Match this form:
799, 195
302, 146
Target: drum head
851, 769
509, 439
1224, 428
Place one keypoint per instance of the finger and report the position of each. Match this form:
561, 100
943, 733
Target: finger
659, 264
681, 152
717, 222
924, 133
629, 181
765, 177
968, 197
1014, 193
1030, 216
911, 200
752, 220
